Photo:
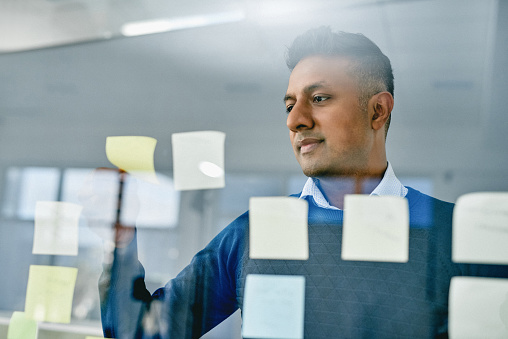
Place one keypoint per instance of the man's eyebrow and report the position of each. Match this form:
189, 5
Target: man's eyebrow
307, 89
287, 97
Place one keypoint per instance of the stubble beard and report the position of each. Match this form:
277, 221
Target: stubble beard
343, 166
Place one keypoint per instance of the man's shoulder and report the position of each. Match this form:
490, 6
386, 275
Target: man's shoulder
237, 226
425, 210
232, 237
416, 197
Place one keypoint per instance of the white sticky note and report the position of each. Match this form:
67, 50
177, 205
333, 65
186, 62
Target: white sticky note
376, 228
133, 154
21, 327
478, 308
56, 228
480, 228
274, 306
198, 160
278, 228
49, 293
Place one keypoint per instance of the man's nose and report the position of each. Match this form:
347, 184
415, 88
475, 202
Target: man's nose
300, 117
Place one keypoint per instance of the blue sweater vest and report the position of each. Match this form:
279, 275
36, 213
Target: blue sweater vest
343, 299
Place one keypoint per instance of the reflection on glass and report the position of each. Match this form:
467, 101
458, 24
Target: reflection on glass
26, 186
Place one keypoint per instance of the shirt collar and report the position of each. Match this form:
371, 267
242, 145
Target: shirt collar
389, 185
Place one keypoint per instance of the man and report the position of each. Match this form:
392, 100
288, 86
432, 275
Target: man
339, 100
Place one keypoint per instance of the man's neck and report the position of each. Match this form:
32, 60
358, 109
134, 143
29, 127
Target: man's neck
335, 188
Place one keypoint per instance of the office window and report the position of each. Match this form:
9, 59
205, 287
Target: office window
27, 185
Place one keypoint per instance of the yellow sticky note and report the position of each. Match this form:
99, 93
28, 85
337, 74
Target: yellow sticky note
480, 228
376, 228
56, 228
49, 293
278, 228
198, 160
133, 154
21, 327
478, 308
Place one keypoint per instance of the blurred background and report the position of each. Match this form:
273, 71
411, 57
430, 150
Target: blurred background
73, 72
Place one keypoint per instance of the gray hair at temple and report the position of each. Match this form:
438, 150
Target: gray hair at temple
369, 66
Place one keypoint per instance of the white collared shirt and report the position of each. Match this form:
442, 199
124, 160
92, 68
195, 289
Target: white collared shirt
389, 185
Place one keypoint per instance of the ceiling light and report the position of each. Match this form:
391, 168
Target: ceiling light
166, 25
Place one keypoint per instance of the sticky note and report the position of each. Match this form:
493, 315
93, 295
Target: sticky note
56, 228
89, 337
133, 154
49, 293
278, 228
478, 308
274, 306
376, 228
480, 228
21, 327
198, 160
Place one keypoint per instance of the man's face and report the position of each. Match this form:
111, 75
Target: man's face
330, 133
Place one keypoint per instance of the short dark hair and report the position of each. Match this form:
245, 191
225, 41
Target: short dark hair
370, 67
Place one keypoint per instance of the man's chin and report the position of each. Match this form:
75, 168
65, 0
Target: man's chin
320, 172
313, 171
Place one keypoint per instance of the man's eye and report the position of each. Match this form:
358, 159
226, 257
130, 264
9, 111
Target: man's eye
289, 108
319, 98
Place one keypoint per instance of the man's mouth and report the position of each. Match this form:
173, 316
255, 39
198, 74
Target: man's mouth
308, 145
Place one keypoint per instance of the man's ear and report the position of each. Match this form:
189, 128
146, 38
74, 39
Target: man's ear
381, 106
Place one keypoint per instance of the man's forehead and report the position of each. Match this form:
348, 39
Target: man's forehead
319, 61
318, 71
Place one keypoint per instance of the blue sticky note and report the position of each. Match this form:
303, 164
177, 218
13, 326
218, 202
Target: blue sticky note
274, 306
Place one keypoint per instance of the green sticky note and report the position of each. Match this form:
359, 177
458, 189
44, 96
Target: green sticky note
49, 293
20, 327
133, 154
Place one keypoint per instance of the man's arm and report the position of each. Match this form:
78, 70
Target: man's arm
198, 299
120, 311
